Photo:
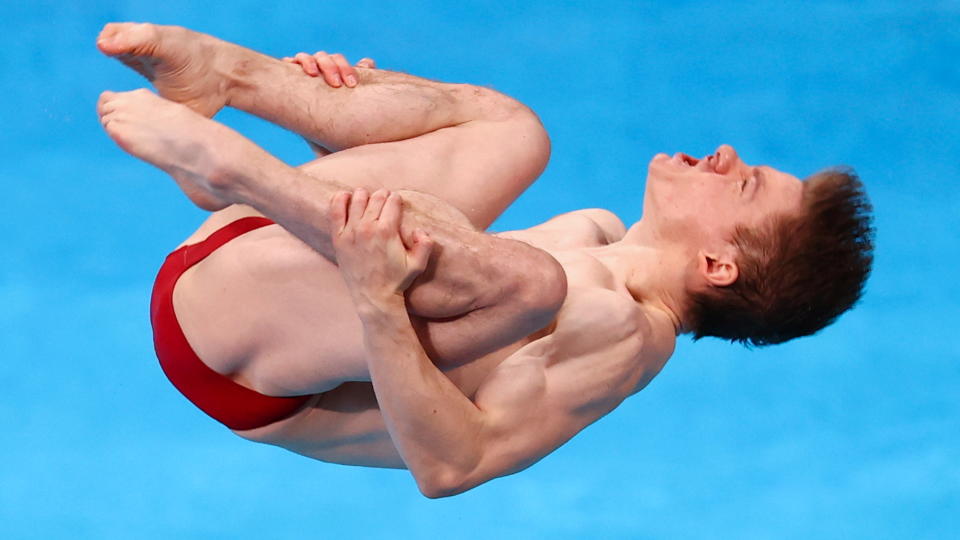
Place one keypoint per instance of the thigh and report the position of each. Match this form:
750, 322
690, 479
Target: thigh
273, 313
479, 167
276, 315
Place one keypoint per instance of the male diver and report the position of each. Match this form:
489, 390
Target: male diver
460, 355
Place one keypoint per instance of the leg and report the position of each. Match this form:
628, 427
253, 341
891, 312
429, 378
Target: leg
470, 274
462, 140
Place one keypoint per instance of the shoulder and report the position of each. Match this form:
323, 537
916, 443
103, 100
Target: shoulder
608, 222
605, 220
589, 227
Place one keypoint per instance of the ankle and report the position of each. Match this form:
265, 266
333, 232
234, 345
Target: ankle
237, 168
244, 73
233, 75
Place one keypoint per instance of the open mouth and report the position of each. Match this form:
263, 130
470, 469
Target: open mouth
684, 158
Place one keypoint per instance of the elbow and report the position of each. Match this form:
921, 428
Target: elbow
438, 492
442, 484
446, 479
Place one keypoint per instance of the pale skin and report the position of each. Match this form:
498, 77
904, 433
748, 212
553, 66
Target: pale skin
451, 390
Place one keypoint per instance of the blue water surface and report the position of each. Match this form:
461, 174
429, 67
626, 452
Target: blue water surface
854, 433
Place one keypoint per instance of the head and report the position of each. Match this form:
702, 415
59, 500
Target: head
769, 257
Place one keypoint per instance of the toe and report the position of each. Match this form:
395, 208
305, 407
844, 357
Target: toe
110, 39
119, 38
103, 104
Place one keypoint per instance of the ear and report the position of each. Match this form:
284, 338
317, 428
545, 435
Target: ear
718, 269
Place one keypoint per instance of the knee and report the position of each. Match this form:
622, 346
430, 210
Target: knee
518, 120
516, 128
486, 103
531, 139
541, 288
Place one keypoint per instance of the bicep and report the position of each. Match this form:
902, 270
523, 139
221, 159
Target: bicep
530, 412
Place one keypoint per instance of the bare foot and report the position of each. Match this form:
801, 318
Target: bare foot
176, 139
184, 66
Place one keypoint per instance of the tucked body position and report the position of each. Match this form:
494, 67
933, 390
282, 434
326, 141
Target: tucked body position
354, 310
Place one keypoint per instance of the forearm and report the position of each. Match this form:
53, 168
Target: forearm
437, 430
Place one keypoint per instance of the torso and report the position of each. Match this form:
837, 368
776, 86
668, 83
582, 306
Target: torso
274, 288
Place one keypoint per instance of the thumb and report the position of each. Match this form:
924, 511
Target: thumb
420, 252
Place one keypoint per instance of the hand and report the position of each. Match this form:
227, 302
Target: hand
334, 67
374, 262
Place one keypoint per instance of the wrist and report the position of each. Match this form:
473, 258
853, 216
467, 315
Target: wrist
375, 308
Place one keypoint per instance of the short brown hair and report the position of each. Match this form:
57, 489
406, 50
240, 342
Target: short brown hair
797, 272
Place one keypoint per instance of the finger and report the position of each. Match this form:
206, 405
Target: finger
105, 103
367, 63
375, 206
107, 118
308, 63
392, 212
338, 212
288, 59
347, 72
420, 253
331, 73
358, 202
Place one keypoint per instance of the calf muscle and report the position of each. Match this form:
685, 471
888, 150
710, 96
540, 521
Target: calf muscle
386, 106
402, 131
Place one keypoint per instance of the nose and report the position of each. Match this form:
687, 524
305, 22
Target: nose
727, 159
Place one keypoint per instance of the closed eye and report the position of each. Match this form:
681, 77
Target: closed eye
755, 179
759, 179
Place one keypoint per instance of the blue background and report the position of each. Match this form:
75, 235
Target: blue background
852, 434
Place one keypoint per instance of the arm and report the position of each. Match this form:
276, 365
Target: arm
451, 444
448, 442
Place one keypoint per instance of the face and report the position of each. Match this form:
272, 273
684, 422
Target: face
700, 202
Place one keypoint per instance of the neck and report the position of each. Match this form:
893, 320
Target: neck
654, 272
